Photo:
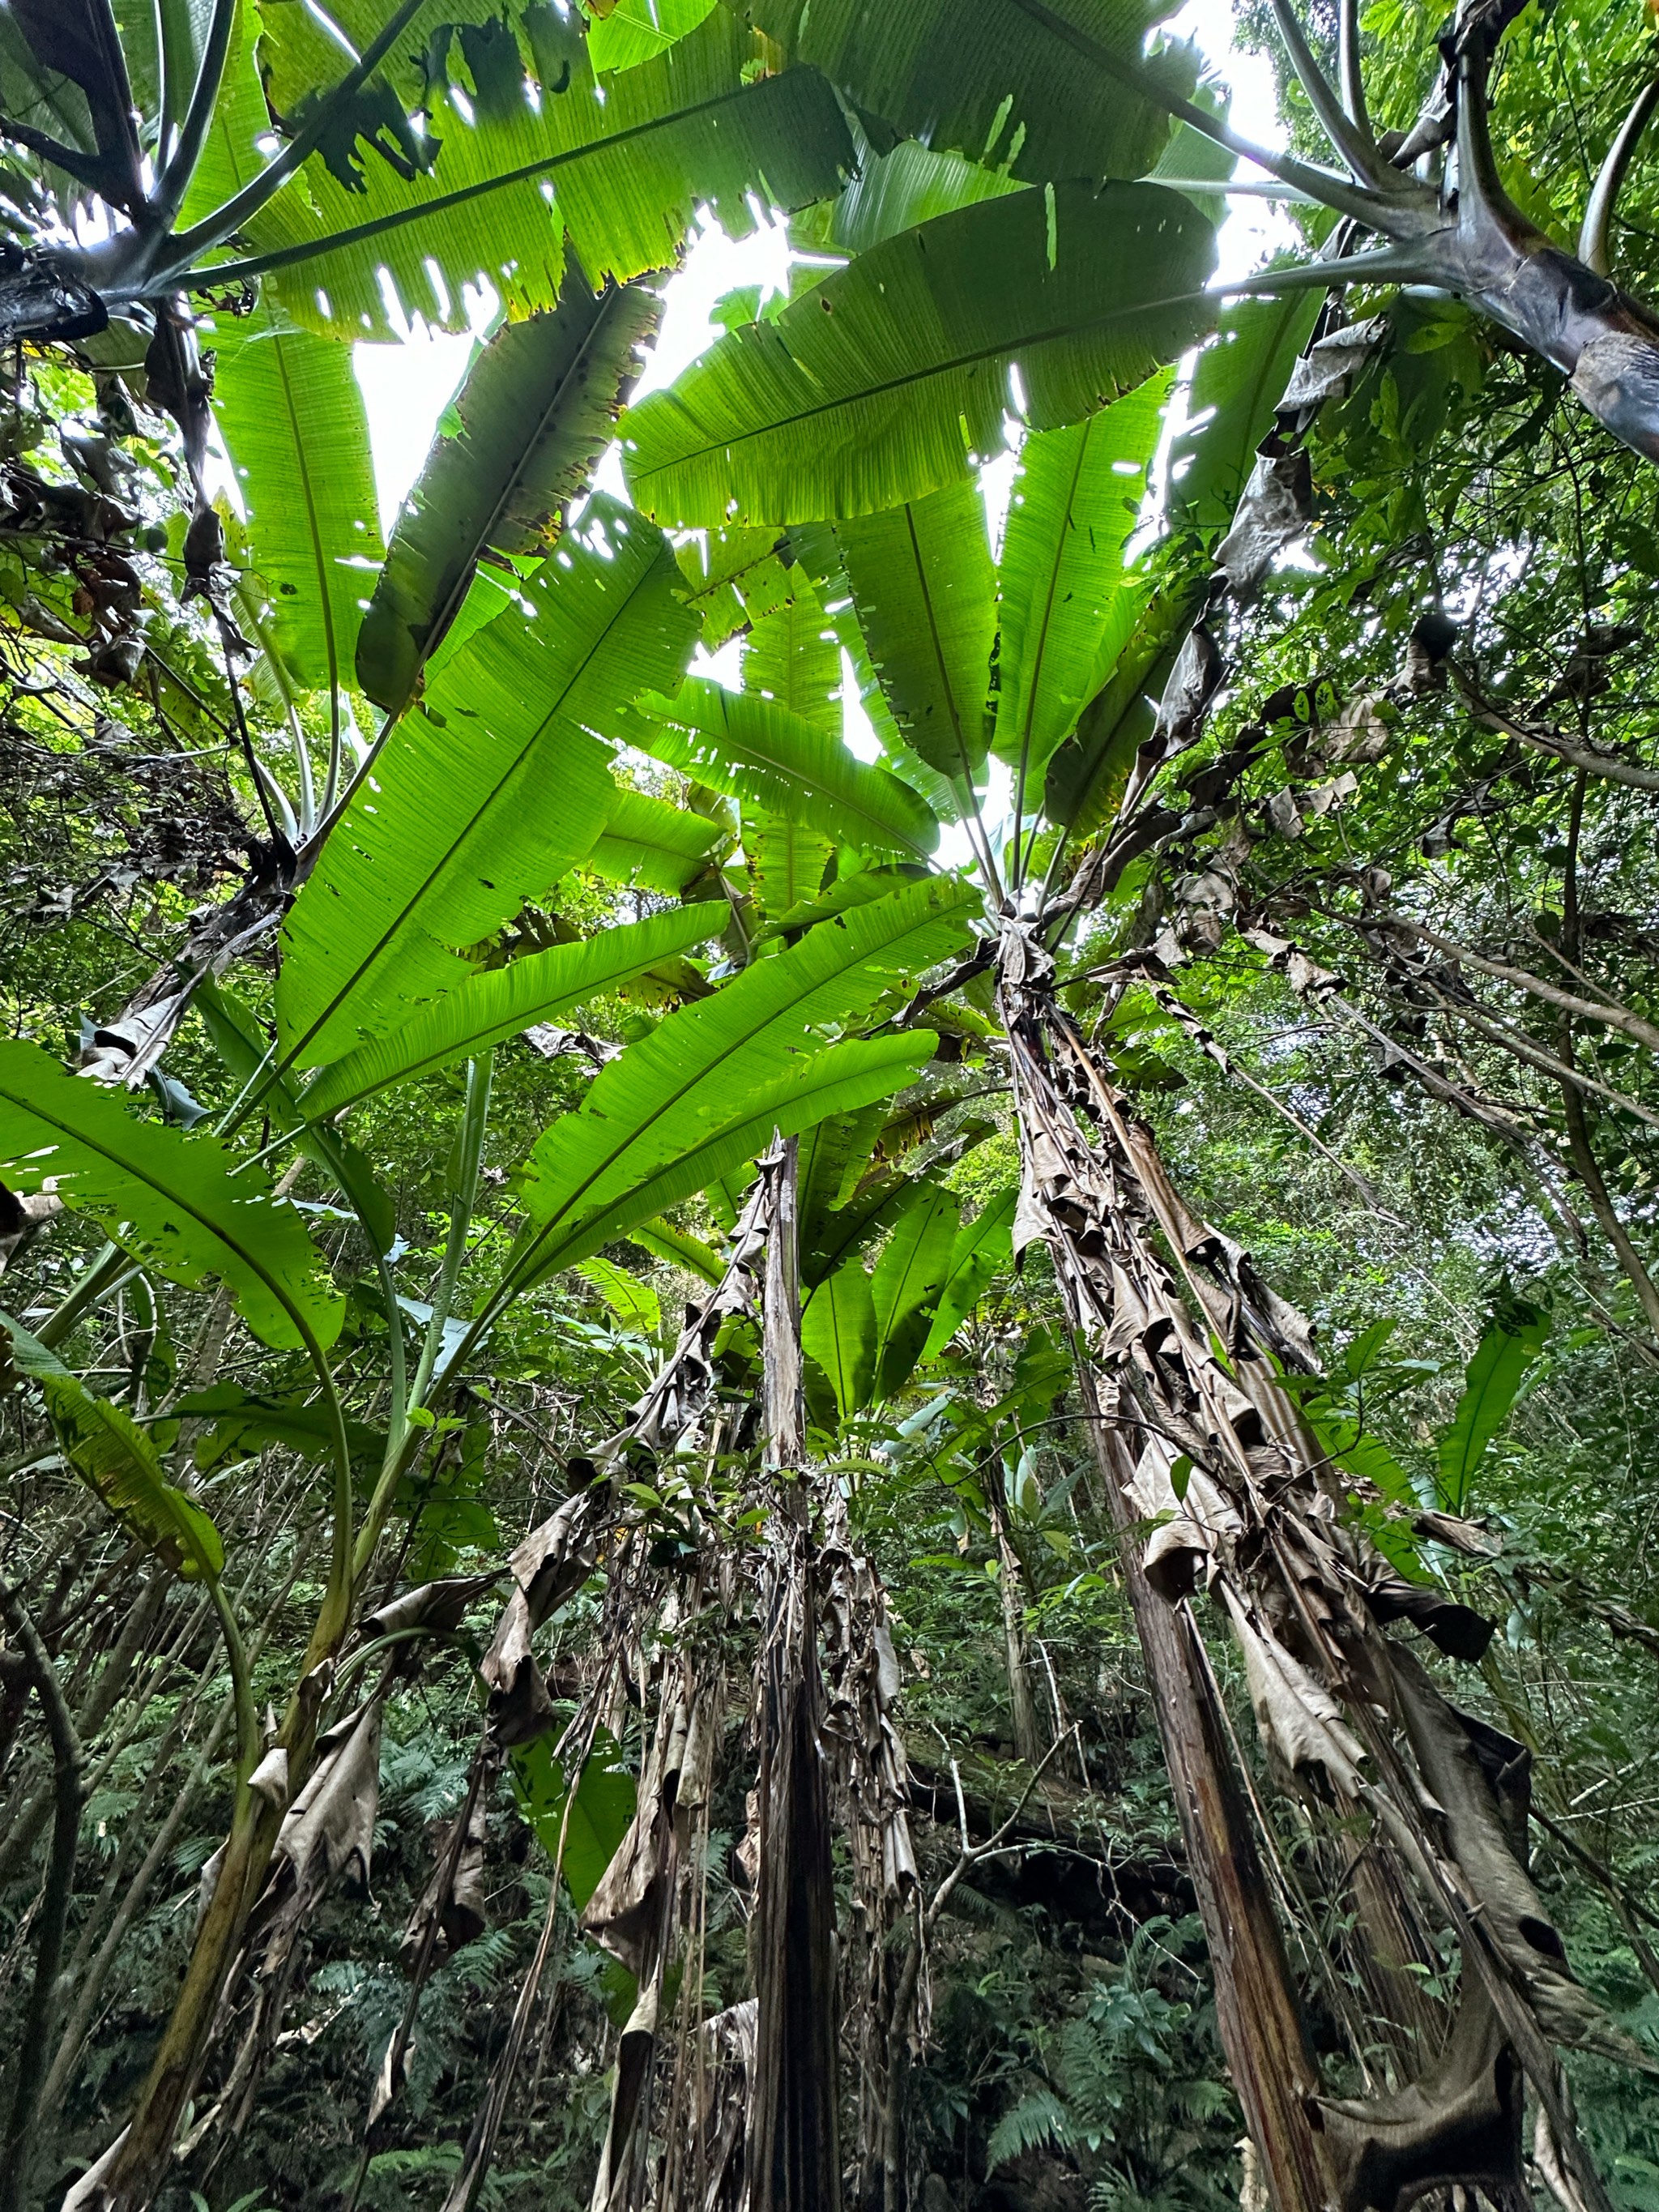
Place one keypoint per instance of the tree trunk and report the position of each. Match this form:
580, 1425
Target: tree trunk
1256, 2005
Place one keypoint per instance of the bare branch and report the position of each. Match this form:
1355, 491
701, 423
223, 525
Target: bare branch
973, 1853
1595, 239
1351, 140
1348, 69
1614, 1015
1557, 743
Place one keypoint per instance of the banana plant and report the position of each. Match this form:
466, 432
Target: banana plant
1082, 661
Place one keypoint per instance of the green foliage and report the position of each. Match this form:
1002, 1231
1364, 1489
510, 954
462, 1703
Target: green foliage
1236, 387
121, 1464
621, 175
925, 594
529, 424
496, 1003
292, 422
760, 752
995, 86
180, 1201
1512, 1341
843, 406
485, 798
578, 1833
1068, 607
703, 1092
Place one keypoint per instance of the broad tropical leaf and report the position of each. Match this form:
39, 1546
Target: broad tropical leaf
681, 1249
837, 1233
767, 758
786, 863
735, 576
982, 1245
1068, 604
701, 1094
1229, 408
501, 1001
792, 659
991, 81
838, 1329
911, 185
876, 385
924, 593
802, 1088
909, 1276
1087, 775
115, 1458
635, 1303
185, 1204
507, 238
652, 845
292, 422
597, 1819
620, 163
241, 1042
1514, 1338
529, 426
486, 797
636, 31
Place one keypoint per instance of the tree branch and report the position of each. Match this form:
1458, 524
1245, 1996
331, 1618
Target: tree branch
1613, 1016
1596, 237
1555, 744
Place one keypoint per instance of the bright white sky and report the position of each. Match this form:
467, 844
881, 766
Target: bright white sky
405, 387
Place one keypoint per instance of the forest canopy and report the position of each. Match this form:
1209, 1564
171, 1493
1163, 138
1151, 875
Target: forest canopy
829, 1350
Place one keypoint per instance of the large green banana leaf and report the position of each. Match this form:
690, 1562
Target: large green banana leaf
982, 1245
1068, 604
924, 593
653, 846
875, 386
838, 1329
909, 1276
292, 418
792, 659
911, 185
787, 861
529, 424
185, 1203
704, 1092
621, 163
240, 1041
735, 576
486, 798
792, 656
1087, 775
989, 80
765, 756
503, 1000
116, 1458
635, 31
818, 549
1229, 407
797, 1093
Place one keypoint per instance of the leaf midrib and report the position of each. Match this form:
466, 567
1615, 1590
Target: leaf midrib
702, 1074
446, 858
640, 478
818, 1071
816, 784
172, 1196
